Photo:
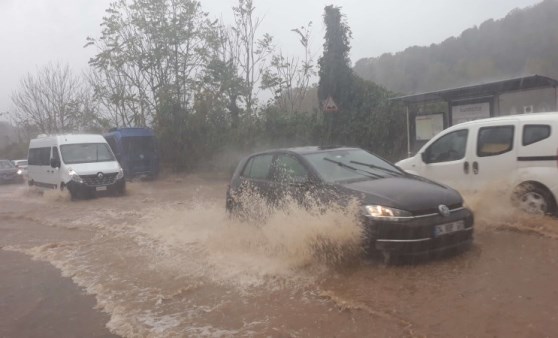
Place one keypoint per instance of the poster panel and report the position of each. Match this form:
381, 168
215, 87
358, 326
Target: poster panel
427, 126
470, 112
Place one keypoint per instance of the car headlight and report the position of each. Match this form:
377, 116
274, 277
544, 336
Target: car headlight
19, 172
120, 174
385, 213
74, 176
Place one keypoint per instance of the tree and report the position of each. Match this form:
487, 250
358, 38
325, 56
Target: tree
55, 100
365, 118
252, 51
222, 77
289, 77
150, 50
335, 69
335, 72
152, 57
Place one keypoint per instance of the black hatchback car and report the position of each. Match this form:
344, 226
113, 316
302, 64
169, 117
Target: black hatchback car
402, 214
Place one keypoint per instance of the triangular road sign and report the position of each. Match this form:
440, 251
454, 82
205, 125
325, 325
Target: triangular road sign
329, 105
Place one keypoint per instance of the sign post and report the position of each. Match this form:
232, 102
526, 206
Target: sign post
329, 107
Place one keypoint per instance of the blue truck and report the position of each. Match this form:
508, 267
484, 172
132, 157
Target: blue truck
136, 151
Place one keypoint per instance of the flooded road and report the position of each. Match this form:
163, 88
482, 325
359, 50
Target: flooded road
167, 261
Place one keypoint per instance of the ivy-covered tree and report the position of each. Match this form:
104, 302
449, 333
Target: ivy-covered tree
335, 65
365, 118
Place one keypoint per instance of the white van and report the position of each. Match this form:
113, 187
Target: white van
514, 154
83, 164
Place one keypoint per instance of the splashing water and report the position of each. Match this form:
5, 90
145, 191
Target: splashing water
494, 210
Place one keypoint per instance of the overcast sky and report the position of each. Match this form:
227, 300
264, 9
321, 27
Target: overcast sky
35, 32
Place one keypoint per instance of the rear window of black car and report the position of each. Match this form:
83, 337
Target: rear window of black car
258, 167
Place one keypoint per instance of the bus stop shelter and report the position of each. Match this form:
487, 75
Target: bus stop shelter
429, 113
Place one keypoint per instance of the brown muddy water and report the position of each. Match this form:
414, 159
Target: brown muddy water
167, 261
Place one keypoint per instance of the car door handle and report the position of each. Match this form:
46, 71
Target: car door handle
466, 167
475, 168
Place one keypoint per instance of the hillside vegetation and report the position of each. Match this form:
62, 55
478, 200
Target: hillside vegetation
524, 42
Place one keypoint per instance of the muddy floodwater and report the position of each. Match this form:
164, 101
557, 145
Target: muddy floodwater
166, 261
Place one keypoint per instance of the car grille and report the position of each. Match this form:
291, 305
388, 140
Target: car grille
434, 211
94, 180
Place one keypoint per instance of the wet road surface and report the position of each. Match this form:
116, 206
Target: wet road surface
166, 261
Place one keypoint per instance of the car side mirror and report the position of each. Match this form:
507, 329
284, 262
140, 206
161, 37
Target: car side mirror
55, 163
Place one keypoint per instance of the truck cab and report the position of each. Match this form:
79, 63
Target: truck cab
136, 151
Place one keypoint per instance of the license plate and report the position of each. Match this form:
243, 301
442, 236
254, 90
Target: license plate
447, 228
101, 188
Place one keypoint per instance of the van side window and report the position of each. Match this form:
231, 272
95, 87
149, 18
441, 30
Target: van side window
494, 141
33, 156
258, 167
39, 156
533, 133
450, 147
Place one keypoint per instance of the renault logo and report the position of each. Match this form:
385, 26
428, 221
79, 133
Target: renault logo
100, 176
444, 210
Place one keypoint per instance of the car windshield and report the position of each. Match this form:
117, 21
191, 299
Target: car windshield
6, 165
350, 164
86, 153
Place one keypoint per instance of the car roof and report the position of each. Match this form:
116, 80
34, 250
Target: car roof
533, 117
68, 139
306, 150
131, 132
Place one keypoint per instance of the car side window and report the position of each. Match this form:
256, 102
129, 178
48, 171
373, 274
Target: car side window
533, 133
450, 147
494, 141
39, 156
258, 167
33, 156
288, 168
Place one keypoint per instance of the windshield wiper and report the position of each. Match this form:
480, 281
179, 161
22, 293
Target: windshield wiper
373, 166
360, 171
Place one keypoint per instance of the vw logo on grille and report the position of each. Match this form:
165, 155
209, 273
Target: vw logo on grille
100, 176
444, 210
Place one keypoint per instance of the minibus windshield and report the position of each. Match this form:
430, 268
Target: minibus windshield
86, 153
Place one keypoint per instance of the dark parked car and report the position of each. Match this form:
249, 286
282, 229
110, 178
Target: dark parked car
402, 214
8, 173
